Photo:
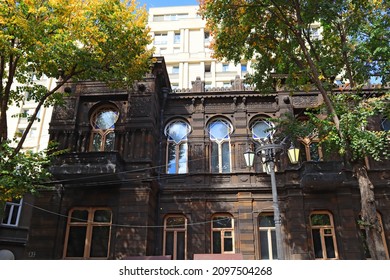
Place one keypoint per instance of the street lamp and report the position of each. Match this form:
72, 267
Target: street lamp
267, 153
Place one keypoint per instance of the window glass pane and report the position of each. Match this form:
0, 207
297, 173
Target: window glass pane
274, 249
99, 243
106, 119
217, 242
314, 155
183, 158
102, 216
214, 158
302, 152
225, 157
96, 142
264, 251
6, 213
260, 130
110, 141
14, 217
222, 222
219, 130
76, 242
320, 220
180, 246
79, 216
228, 244
385, 124
177, 131
169, 243
317, 244
175, 222
266, 221
330, 253
177, 38
171, 169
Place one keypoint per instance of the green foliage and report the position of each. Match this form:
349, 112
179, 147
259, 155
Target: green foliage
23, 173
355, 112
104, 40
353, 42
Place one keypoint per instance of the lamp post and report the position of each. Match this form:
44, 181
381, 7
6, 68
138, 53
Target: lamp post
268, 153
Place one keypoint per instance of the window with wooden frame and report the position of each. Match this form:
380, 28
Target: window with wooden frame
103, 125
222, 234
323, 235
219, 132
311, 149
363, 236
88, 233
175, 237
12, 210
177, 147
267, 237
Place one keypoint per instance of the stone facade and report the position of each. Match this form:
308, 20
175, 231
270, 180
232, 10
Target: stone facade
134, 183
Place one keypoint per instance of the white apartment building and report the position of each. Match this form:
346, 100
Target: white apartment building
180, 35
38, 136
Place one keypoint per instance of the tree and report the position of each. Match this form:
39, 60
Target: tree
351, 47
74, 40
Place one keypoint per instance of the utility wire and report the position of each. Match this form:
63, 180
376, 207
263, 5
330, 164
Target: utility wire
138, 226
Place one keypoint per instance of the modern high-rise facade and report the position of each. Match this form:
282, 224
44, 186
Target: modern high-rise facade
180, 35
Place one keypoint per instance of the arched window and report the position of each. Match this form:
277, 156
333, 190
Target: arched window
219, 131
311, 149
222, 234
177, 147
323, 234
267, 237
103, 124
262, 130
175, 237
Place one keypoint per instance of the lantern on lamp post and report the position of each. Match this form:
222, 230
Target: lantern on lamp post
267, 153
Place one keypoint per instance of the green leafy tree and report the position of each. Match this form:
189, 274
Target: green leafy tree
352, 46
74, 40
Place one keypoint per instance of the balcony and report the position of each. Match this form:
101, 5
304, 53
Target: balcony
89, 165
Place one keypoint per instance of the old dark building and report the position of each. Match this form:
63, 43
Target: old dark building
148, 172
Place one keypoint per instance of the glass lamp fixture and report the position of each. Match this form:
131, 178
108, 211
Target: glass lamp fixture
293, 154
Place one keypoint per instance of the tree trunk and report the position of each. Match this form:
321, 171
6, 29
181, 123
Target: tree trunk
369, 216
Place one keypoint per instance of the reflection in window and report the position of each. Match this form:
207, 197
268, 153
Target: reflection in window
176, 39
12, 211
219, 132
88, 233
177, 147
262, 130
175, 237
222, 238
103, 124
267, 237
385, 124
324, 238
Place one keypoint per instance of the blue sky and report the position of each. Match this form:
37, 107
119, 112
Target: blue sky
166, 3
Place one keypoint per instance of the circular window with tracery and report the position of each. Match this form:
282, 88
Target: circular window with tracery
103, 125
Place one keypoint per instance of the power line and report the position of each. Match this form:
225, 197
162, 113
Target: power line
139, 226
